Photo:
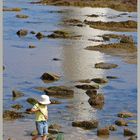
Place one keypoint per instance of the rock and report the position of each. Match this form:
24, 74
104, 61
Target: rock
32, 32
103, 132
32, 101
133, 138
86, 87
106, 38
91, 92
17, 106
111, 77
39, 35
48, 77
85, 81
100, 80
121, 122
55, 102
128, 132
55, 126
12, 9
93, 15
22, 32
22, 16
32, 46
103, 65
112, 127
127, 39
17, 94
56, 59
86, 124
11, 115
125, 114
53, 131
59, 91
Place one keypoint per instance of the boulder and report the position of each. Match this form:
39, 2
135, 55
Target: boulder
86, 124
86, 87
60, 91
121, 122
12, 115
49, 77
100, 80
22, 16
39, 35
91, 92
112, 127
17, 94
22, 32
125, 114
103, 132
128, 132
103, 65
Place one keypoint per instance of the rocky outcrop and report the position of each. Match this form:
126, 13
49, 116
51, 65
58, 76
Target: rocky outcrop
112, 127
86, 124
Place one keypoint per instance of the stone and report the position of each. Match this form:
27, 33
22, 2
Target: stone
22, 16
32, 101
86, 124
85, 81
86, 87
56, 59
103, 132
53, 131
91, 92
39, 35
121, 122
32, 32
22, 32
17, 94
11, 115
100, 80
17, 106
32, 46
55, 102
133, 138
111, 77
125, 114
112, 127
55, 126
12, 9
128, 132
49, 77
103, 65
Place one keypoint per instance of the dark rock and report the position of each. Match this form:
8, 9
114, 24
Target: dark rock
32, 46
55, 102
121, 122
103, 65
126, 39
133, 138
55, 126
86, 124
48, 77
128, 132
112, 127
59, 91
12, 115
56, 59
125, 114
86, 87
39, 35
32, 32
103, 132
91, 92
53, 131
17, 94
85, 81
22, 16
106, 38
100, 80
32, 101
22, 32
17, 106
111, 77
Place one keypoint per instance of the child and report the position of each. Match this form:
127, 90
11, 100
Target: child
41, 117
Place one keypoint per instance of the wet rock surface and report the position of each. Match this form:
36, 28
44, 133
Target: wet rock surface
125, 114
121, 122
86, 87
39, 35
103, 65
32, 46
103, 132
86, 124
84, 81
91, 92
22, 32
100, 80
17, 94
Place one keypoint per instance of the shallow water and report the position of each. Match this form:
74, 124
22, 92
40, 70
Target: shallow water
24, 67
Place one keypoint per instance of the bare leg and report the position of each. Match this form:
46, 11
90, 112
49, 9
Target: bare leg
44, 137
35, 137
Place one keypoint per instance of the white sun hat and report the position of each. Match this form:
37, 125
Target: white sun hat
44, 99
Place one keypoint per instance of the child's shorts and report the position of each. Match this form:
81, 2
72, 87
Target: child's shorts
42, 127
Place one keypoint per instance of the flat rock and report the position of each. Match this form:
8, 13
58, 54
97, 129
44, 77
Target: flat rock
86, 87
17, 94
121, 122
103, 65
128, 132
125, 114
103, 132
22, 32
100, 80
49, 77
86, 124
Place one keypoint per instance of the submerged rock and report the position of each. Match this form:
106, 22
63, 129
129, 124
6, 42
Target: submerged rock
59, 91
86, 87
49, 77
100, 80
17, 94
22, 16
125, 114
121, 122
11, 115
103, 65
86, 124
103, 132
128, 132
22, 32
